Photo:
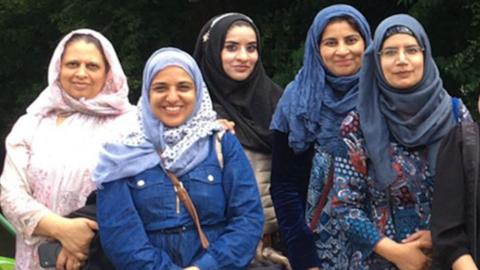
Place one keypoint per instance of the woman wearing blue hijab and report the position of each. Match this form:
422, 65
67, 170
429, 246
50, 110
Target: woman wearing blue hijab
308, 116
145, 223
383, 189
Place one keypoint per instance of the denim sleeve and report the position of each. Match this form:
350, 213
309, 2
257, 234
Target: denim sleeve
244, 214
290, 174
122, 233
351, 200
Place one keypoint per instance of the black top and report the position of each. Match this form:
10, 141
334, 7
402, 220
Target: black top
289, 194
249, 103
451, 213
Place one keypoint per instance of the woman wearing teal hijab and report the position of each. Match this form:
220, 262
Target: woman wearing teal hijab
383, 189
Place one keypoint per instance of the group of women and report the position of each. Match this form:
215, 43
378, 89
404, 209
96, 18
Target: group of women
348, 154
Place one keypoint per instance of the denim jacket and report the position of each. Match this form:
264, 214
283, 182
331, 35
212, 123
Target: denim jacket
144, 226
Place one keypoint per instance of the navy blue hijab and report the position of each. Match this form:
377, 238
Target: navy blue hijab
414, 117
316, 101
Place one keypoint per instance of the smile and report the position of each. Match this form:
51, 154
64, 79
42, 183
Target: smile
172, 109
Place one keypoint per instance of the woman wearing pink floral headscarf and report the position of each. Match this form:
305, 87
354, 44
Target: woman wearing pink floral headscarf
53, 148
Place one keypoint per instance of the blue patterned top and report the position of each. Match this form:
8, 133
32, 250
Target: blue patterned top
366, 213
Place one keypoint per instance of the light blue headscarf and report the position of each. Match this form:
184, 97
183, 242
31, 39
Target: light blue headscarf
415, 117
151, 143
301, 112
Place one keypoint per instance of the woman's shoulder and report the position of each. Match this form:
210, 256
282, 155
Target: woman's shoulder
25, 126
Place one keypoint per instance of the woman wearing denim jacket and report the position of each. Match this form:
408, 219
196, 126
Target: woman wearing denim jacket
143, 224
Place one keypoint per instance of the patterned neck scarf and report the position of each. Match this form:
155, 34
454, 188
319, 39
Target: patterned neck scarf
151, 143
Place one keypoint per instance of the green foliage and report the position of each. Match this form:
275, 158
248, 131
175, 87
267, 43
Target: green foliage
32, 28
454, 31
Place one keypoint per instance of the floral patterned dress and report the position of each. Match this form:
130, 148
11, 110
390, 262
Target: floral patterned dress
367, 213
48, 168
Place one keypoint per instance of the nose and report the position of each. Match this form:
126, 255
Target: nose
242, 54
402, 57
172, 95
342, 49
81, 71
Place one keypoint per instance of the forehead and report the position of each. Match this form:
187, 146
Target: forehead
400, 39
82, 49
172, 73
242, 32
338, 29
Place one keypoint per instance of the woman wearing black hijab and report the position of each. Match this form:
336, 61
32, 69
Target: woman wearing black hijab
228, 53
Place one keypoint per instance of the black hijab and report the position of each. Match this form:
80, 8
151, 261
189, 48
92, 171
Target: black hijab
249, 103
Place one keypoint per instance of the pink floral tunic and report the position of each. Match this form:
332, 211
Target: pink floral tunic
48, 166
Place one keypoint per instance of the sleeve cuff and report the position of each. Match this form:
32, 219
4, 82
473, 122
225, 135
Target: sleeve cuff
206, 262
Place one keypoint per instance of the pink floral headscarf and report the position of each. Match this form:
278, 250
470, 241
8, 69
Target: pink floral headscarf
112, 99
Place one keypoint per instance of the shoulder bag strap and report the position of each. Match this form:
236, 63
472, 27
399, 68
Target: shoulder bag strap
187, 202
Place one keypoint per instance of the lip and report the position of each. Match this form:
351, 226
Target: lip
80, 85
172, 110
346, 62
241, 68
403, 73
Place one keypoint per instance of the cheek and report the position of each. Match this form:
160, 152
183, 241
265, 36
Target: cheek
254, 58
324, 53
225, 57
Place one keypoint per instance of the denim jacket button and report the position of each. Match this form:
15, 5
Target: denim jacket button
210, 178
140, 183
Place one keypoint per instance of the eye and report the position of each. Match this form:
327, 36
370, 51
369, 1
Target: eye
93, 66
158, 88
71, 64
231, 47
185, 87
413, 50
252, 48
330, 43
351, 40
389, 52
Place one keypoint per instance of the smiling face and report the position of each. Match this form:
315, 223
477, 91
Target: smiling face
402, 61
239, 54
341, 48
83, 70
172, 96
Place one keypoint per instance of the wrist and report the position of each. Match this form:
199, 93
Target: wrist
389, 249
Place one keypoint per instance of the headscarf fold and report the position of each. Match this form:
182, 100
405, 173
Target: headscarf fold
414, 117
249, 103
150, 143
112, 99
316, 101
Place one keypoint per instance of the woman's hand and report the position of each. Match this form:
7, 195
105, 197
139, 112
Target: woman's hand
410, 256
406, 256
424, 238
68, 261
76, 235
227, 124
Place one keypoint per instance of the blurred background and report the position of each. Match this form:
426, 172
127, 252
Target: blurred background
30, 30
